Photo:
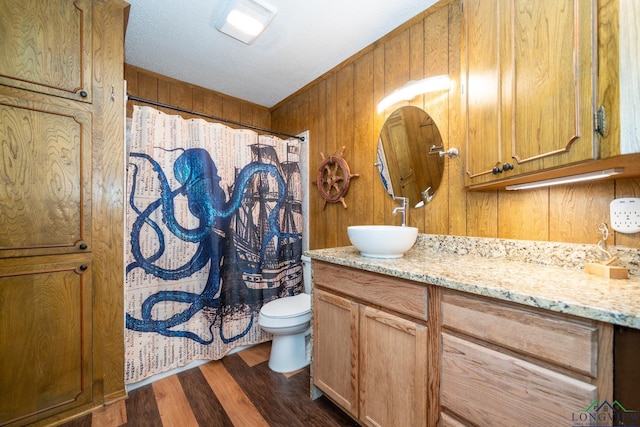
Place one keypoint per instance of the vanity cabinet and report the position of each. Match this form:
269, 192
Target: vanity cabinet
371, 345
61, 208
528, 79
505, 364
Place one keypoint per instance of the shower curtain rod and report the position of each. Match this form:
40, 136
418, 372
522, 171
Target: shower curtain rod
207, 116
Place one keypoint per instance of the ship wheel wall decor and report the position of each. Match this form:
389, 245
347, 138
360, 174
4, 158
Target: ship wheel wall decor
333, 178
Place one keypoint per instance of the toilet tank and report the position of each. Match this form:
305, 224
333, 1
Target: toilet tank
306, 273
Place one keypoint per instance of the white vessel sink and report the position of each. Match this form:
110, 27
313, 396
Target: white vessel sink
382, 241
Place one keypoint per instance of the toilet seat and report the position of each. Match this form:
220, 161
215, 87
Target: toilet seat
286, 312
283, 308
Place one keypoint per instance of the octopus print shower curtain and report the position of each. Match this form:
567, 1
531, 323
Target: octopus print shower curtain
214, 225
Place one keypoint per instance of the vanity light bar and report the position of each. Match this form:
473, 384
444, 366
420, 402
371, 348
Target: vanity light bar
413, 89
567, 180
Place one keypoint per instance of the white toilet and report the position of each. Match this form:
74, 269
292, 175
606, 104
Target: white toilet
289, 320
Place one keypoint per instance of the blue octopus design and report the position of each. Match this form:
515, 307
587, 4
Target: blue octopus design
197, 174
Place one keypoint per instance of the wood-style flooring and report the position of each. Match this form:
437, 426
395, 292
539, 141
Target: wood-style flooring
239, 390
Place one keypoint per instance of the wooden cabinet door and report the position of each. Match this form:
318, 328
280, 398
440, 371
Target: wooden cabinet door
46, 46
45, 336
393, 370
481, 100
549, 86
45, 193
335, 349
528, 74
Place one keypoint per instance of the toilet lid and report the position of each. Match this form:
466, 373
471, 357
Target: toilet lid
288, 306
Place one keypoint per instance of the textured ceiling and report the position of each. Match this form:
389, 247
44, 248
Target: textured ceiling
306, 39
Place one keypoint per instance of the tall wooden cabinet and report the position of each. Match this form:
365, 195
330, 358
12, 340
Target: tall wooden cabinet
61, 208
529, 72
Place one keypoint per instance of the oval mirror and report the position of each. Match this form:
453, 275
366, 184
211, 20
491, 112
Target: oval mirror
409, 163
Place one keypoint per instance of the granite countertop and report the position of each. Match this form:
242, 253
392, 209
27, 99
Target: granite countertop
538, 274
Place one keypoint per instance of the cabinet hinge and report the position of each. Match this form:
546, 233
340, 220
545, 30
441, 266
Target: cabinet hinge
600, 121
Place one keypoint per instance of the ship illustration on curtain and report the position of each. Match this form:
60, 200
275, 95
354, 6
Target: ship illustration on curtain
214, 231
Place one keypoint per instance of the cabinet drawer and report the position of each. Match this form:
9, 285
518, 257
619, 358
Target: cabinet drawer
488, 387
395, 294
566, 342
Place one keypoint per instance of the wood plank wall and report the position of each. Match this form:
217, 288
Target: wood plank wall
339, 109
155, 87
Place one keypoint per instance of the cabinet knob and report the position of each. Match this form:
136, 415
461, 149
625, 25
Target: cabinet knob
83, 246
507, 167
496, 170
83, 93
83, 267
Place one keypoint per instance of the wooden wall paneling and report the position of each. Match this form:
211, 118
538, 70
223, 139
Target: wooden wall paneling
397, 70
575, 211
416, 34
329, 146
627, 188
246, 114
381, 199
231, 109
131, 76
523, 214
262, 118
316, 137
365, 143
317, 227
455, 169
155, 87
436, 49
197, 99
293, 113
312, 124
147, 86
482, 214
345, 136
180, 96
302, 114
164, 95
396, 75
212, 104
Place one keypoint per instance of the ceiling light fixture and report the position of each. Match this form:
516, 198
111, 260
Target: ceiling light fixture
413, 89
245, 20
568, 180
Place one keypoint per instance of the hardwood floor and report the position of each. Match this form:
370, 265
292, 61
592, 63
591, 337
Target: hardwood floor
239, 390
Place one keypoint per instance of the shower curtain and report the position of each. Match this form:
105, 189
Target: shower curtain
214, 231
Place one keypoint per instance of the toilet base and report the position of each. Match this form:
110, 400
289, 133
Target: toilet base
288, 353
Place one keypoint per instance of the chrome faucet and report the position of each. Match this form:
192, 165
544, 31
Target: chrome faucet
402, 209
